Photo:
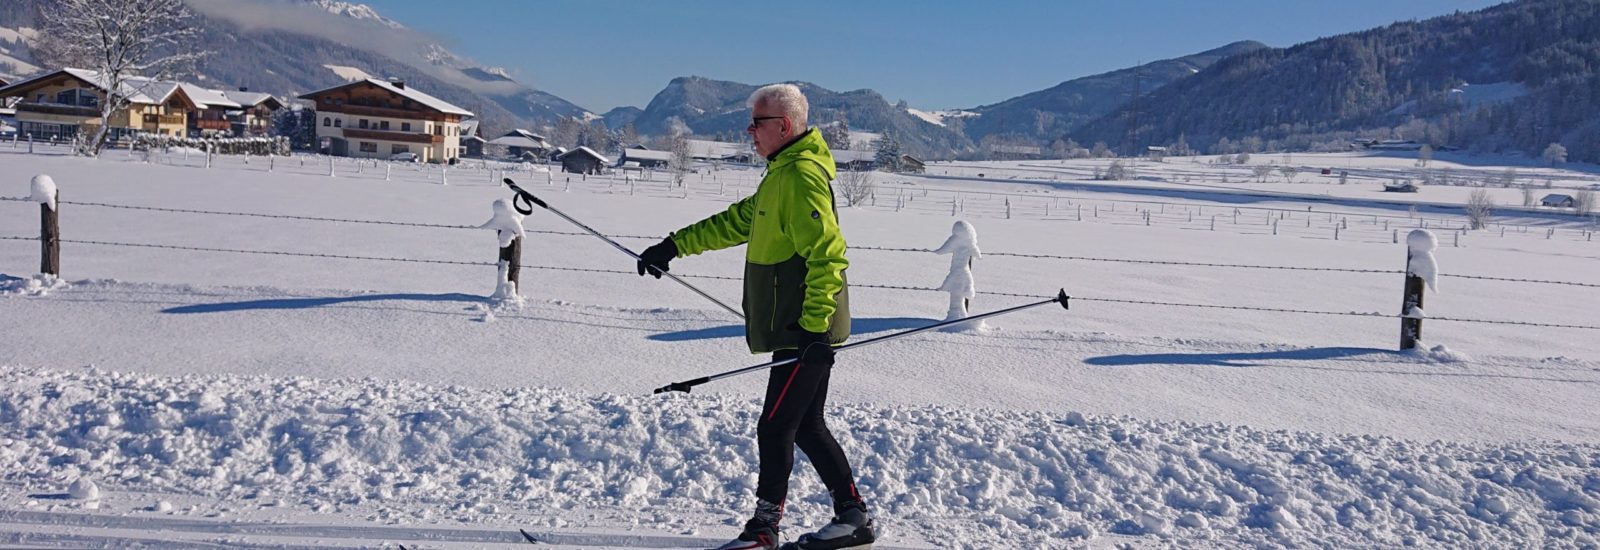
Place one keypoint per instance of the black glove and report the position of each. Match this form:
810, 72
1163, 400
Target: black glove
815, 351
657, 256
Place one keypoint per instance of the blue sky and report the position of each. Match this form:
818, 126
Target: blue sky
934, 55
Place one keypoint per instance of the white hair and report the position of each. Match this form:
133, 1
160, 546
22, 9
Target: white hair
788, 99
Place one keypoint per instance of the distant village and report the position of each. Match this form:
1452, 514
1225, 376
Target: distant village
366, 118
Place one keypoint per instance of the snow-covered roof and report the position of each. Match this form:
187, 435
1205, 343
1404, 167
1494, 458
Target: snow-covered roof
703, 149
136, 89
1556, 197
587, 151
847, 156
406, 92
521, 138
420, 97
249, 99
519, 141
208, 98
469, 127
646, 154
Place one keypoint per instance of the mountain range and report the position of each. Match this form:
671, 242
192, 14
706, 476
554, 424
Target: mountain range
1512, 77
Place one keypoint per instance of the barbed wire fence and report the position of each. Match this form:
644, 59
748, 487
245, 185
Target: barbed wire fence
1029, 256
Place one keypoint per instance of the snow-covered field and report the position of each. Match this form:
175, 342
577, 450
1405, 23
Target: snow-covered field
366, 390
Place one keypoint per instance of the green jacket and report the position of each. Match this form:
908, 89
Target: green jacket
794, 266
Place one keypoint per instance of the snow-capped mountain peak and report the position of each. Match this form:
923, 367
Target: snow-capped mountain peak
354, 11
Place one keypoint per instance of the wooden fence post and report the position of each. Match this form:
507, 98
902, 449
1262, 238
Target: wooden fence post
512, 255
50, 238
1410, 327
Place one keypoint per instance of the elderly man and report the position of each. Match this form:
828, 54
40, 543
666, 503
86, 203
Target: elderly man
796, 306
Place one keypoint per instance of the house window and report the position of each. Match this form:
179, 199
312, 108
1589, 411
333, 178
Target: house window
338, 123
405, 126
369, 147
363, 124
67, 97
383, 125
327, 121
398, 149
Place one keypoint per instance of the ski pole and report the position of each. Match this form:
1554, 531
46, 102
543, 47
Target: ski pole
527, 197
686, 385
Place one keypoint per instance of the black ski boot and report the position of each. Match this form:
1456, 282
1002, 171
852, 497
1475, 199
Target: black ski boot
761, 532
756, 536
851, 528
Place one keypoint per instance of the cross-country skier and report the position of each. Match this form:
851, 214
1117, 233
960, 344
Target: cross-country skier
795, 305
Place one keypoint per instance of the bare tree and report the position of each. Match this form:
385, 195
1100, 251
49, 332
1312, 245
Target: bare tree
1479, 206
1242, 158
567, 132
1555, 154
1508, 178
682, 157
1116, 172
1424, 155
117, 39
1583, 203
1289, 172
628, 136
1261, 171
856, 186
1527, 195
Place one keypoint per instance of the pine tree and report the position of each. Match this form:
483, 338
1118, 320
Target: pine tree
837, 134
888, 157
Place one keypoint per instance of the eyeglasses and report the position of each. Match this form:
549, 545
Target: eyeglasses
756, 121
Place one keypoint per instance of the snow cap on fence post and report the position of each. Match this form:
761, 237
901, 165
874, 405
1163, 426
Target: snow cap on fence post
962, 246
1421, 263
44, 190
505, 220
508, 224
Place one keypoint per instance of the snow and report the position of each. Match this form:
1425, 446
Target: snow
224, 398
931, 118
506, 221
42, 189
1421, 244
20, 34
1497, 92
360, 12
84, 488
962, 246
350, 74
19, 66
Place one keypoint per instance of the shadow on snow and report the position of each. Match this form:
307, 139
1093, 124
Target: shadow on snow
307, 303
858, 326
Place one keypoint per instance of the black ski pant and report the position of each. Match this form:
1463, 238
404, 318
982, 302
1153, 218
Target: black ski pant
792, 416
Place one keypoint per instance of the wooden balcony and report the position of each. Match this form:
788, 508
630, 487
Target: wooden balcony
213, 124
164, 119
381, 112
58, 109
403, 137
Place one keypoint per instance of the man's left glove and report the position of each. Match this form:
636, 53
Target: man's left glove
815, 351
656, 257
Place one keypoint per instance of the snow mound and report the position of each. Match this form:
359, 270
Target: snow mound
969, 478
84, 489
1439, 354
40, 284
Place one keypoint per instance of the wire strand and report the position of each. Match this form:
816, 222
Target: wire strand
857, 285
